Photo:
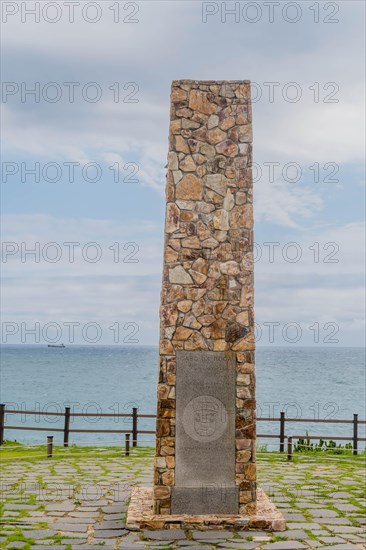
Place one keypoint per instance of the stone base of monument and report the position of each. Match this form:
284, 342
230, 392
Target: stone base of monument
264, 516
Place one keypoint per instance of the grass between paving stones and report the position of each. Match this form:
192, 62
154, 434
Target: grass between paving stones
307, 479
15, 453
20, 455
58, 538
310, 534
18, 536
278, 538
143, 538
13, 450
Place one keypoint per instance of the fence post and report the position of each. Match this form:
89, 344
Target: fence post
67, 426
2, 423
127, 444
134, 427
355, 433
289, 447
49, 446
282, 432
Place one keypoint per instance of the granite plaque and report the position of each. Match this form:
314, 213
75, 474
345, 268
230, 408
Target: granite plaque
205, 433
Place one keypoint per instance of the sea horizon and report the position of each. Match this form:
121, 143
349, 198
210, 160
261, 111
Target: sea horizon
131, 346
314, 382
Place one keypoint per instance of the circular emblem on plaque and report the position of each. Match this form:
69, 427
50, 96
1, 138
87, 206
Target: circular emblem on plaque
205, 418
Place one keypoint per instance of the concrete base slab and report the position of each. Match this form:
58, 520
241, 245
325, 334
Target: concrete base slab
264, 515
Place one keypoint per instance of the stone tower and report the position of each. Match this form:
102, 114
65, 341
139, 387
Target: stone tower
205, 439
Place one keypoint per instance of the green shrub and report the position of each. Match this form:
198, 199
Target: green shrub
305, 446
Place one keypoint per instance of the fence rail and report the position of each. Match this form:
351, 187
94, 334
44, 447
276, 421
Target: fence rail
134, 431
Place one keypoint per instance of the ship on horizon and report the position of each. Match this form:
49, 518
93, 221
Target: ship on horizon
56, 345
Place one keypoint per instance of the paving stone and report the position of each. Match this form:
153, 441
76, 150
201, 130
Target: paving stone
331, 540
345, 529
166, 534
16, 544
20, 506
114, 517
285, 545
110, 525
347, 507
360, 537
323, 513
189, 544
29, 521
262, 539
130, 546
246, 534
241, 545
39, 533
303, 525
44, 542
308, 505
159, 544
109, 533
360, 540
71, 527
294, 517
76, 521
94, 503
294, 533
214, 542
335, 521
65, 507
70, 541
320, 533
341, 494
91, 514
113, 509
212, 535
131, 538
345, 546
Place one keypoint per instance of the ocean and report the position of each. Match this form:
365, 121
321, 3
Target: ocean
321, 382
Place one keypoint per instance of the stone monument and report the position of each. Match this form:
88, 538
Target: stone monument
205, 463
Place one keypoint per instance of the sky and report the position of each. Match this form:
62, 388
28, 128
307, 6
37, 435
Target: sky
85, 115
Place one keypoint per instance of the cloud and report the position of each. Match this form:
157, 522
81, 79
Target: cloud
170, 42
282, 204
321, 292
107, 248
314, 132
155, 51
335, 251
324, 286
101, 303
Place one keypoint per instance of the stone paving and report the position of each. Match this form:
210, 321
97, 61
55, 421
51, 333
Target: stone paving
81, 504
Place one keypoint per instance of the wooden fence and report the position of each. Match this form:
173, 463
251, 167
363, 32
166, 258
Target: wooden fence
135, 416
